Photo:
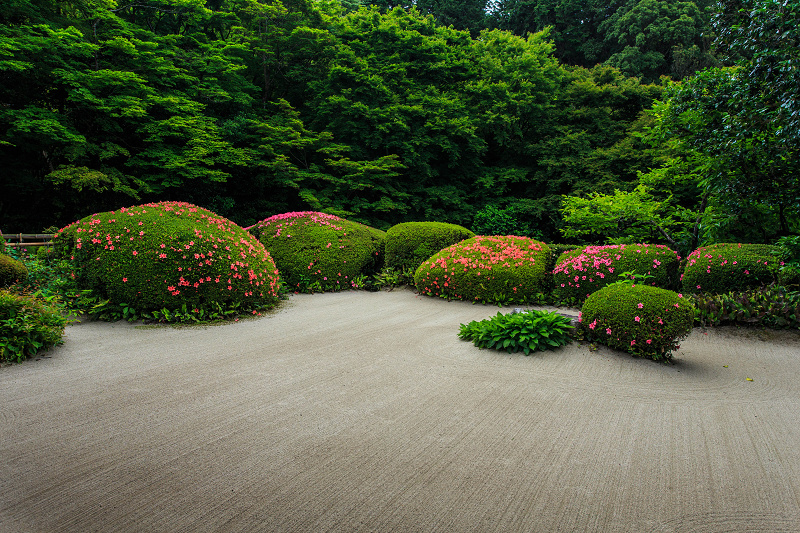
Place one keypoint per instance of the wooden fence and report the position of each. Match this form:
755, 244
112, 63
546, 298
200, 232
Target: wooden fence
26, 240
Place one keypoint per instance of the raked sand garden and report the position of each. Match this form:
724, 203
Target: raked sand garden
358, 411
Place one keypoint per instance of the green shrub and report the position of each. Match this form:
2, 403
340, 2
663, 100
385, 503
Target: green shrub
489, 269
321, 252
788, 255
581, 272
527, 331
27, 325
723, 267
771, 307
410, 243
169, 255
11, 271
639, 319
494, 221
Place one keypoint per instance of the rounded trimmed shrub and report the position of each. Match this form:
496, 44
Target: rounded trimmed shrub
410, 243
319, 251
11, 271
489, 269
164, 255
638, 319
726, 267
579, 273
27, 325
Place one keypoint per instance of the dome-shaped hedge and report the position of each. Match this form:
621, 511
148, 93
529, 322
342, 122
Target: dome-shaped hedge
724, 267
163, 255
581, 272
321, 250
638, 319
410, 243
11, 271
487, 269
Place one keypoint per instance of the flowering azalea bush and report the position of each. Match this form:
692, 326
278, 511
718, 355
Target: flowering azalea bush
579, 273
168, 255
11, 271
410, 243
725, 267
489, 269
318, 251
639, 319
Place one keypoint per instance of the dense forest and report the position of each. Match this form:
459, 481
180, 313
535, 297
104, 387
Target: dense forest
671, 121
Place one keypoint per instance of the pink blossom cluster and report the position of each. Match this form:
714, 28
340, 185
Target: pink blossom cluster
284, 221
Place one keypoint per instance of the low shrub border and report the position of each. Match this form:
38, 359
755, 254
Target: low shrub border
27, 325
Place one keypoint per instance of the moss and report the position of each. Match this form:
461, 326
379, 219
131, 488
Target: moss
164, 255
726, 267
320, 250
639, 319
489, 269
11, 271
581, 272
410, 243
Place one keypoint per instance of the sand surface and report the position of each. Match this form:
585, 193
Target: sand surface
364, 412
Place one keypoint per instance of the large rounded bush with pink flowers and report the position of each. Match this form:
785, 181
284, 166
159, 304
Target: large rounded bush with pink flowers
639, 319
489, 269
318, 251
724, 267
579, 273
167, 255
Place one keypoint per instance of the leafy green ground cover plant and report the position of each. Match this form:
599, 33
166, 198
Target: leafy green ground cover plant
527, 331
725, 267
771, 307
639, 319
158, 259
318, 252
27, 325
579, 273
410, 243
486, 269
11, 271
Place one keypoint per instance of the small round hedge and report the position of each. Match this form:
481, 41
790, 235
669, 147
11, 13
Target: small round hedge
11, 271
27, 325
164, 255
321, 251
489, 269
581, 272
639, 319
725, 267
410, 243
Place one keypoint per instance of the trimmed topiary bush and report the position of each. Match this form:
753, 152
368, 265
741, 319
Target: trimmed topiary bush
11, 271
410, 243
488, 269
639, 319
167, 255
320, 252
581, 272
27, 325
725, 267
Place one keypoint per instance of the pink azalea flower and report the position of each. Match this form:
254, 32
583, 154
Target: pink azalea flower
637, 319
641, 305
